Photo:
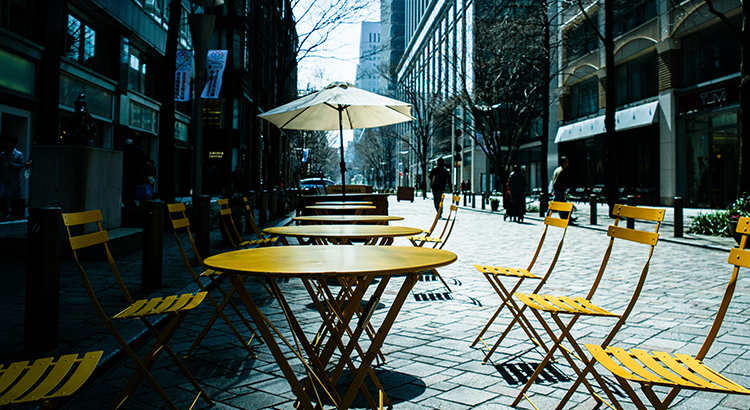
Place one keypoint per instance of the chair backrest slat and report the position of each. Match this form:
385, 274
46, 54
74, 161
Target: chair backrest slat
647, 214
739, 257
89, 239
251, 219
560, 206
633, 235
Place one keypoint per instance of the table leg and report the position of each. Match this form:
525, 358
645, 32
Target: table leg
377, 343
260, 322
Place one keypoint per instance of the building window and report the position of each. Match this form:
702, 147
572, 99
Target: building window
584, 98
636, 80
710, 54
15, 16
80, 44
580, 39
137, 71
630, 14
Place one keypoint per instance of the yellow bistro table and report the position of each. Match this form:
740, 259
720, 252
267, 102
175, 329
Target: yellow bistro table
358, 265
339, 209
343, 203
347, 219
341, 234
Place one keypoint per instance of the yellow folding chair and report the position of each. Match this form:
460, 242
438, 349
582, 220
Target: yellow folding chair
495, 274
677, 371
233, 234
174, 306
46, 381
439, 240
579, 307
180, 223
263, 239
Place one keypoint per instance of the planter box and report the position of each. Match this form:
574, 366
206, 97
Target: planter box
406, 193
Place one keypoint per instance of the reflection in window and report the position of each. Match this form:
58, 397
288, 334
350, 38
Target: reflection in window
630, 14
137, 71
80, 44
580, 39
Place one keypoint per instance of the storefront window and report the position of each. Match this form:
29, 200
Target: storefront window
630, 14
712, 159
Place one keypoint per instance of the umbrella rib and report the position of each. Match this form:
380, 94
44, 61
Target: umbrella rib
293, 118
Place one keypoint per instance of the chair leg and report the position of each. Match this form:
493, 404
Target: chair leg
219, 312
143, 366
435, 272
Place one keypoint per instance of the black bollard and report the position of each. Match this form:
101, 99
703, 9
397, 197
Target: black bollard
678, 217
543, 203
251, 198
273, 205
153, 246
464, 198
203, 224
484, 200
263, 209
42, 279
631, 221
473, 200
593, 201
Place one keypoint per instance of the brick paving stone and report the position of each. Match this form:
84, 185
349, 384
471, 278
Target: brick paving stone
429, 362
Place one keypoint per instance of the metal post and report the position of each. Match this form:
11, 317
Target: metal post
631, 221
153, 246
42, 279
273, 206
592, 200
473, 200
464, 198
203, 224
263, 209
484, 200
543, 203
678, 217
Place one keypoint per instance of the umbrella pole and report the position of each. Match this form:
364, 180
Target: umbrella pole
341, 148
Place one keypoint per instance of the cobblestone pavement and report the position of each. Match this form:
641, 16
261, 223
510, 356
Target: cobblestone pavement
429, 362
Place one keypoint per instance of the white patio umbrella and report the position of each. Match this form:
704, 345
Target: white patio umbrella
339, 106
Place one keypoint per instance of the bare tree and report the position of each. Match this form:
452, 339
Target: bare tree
506, 93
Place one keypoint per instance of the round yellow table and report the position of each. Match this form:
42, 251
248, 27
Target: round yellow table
347, 219
341, 234
344, 203
331, 209
358, 265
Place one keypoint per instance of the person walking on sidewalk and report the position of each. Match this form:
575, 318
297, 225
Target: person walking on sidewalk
560, 184
11, 165
441, 179
517, 188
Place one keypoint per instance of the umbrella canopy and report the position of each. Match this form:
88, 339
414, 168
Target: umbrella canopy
339, 106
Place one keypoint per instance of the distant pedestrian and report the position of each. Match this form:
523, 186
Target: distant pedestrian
517, 189
560, 184
11, 166
441, 179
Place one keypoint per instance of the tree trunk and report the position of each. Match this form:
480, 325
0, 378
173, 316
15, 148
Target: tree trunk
167, 113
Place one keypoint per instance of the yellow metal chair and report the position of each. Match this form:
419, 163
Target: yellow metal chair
233, 234
495, 274
174, 306
439, 240
46, 381
579, 307
677, 371
180, 223
263, 239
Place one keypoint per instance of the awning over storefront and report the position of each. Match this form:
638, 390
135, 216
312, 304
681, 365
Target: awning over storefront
633, 117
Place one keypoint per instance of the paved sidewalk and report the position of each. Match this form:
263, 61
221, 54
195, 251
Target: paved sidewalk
429, 362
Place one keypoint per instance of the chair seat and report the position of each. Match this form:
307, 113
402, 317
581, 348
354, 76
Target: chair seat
157, 306
663, 369
45, 376
513, 272
424, 239
259, 241
562, 304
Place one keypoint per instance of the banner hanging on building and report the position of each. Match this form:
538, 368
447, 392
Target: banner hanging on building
182, 75
215, 64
